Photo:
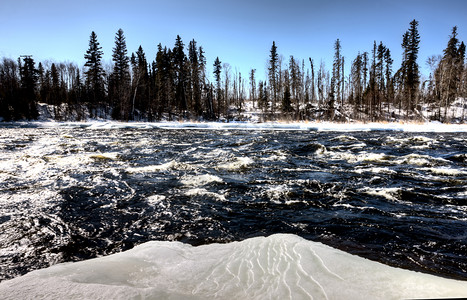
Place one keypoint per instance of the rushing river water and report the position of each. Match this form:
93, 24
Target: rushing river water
69, 194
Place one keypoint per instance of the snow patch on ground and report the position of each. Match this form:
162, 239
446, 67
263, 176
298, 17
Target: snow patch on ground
304, 126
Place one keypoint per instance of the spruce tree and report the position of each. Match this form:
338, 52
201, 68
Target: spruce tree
372, 86
286, 99
452, 48
42, 91
195, 77
26, 106
294, 84
119, 93
411, 74
202, 74
312, 80
120, 58
164, 82
389, 94
380, 77
273, 72
450, 71
217, 75
55, 90
336, 71
357, 84
9, 88
179, 65
94, 72
252, 86
140, 83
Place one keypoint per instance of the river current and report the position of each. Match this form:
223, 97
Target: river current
69, 194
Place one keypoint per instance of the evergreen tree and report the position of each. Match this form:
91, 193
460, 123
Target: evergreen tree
9, 88
253, 86
54, 92
365, 69
371, 91
44, 83
42, 97
451, 50
450, 71
203, 83
286, 100
140, 84
94, 73
263, 96
120, 78
336, 71
273, 72
312, 80
175, 82
195, 77
164, 82
55, 81
120, 58
26, 106
357, 84
202, 65
159, 86
410, 68
294, 83
217, 75
380, 78
179, 65
389, 95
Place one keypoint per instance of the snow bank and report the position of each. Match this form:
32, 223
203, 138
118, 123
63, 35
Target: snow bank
306, 126
277, 267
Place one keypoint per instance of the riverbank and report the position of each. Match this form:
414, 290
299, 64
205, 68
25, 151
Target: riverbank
306, 126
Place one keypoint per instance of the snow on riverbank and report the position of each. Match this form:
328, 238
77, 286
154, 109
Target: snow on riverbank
306, 126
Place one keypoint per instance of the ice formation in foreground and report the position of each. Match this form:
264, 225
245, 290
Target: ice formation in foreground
277, 267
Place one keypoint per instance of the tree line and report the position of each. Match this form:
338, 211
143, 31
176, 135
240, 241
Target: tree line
176, 85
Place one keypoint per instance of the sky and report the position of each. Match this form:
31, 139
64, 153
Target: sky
239, 32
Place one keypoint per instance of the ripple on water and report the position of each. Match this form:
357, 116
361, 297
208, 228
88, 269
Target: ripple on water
77, 193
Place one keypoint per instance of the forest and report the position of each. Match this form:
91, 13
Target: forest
176, 86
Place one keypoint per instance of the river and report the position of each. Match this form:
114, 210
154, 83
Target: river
70, 194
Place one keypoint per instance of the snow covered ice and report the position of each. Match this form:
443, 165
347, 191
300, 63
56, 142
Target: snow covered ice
277, 267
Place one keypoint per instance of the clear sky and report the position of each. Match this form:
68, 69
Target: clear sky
240, 32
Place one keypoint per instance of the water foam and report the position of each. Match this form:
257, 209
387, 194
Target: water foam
388, 193
419, 160
445, 171
203, 192
105, 156
376, 170
171, 165
237, 164
362, 156
199, 180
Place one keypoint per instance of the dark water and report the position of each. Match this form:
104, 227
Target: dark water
69, 194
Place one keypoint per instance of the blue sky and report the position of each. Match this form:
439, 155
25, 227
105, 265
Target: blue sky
239, 32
